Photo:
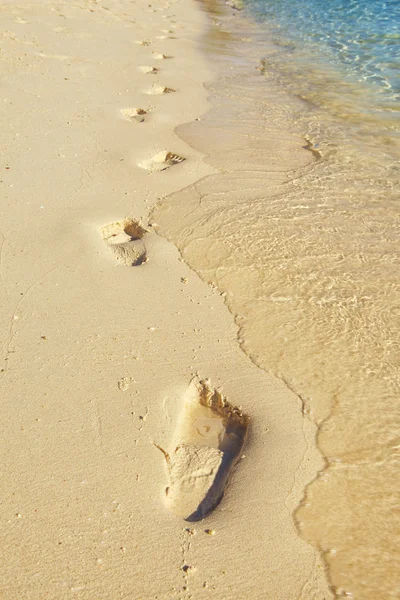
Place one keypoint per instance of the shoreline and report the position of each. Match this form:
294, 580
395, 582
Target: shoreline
99, 356
301, 276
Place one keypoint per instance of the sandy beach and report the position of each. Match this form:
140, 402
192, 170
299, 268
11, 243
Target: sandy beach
106, 332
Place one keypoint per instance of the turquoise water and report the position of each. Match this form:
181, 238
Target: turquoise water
362, 37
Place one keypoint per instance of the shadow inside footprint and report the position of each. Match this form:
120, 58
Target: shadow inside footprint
208, 443
124, 238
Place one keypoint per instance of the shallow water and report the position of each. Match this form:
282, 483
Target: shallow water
360, 36
300, 229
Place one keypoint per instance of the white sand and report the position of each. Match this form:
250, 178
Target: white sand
97, 356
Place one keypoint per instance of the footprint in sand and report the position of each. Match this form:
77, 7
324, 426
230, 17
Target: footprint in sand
134, 114
149, 70
161, 161
157, 90
159, 56
143, 42
124, 238
207, 444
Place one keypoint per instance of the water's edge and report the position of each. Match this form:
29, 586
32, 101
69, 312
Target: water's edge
297, 229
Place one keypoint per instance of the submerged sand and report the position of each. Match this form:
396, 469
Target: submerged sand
97, 354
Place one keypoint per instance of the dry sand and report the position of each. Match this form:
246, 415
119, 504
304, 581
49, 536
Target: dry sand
98, 356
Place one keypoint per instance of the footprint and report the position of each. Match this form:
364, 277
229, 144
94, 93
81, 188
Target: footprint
124, 238
159, 56
157, 90
236, 4
262, 66
149, 70
208, 442
161, 161
143, 42
133, 114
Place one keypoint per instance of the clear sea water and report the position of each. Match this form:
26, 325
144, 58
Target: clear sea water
362, 37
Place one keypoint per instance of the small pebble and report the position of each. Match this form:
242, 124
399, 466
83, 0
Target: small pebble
210, 531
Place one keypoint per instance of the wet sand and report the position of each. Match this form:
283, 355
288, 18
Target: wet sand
105, 329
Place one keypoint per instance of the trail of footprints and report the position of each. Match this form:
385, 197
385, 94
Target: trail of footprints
125, 238
210, 432
164, 159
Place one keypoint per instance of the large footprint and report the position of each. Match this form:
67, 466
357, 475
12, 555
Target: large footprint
207, 444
